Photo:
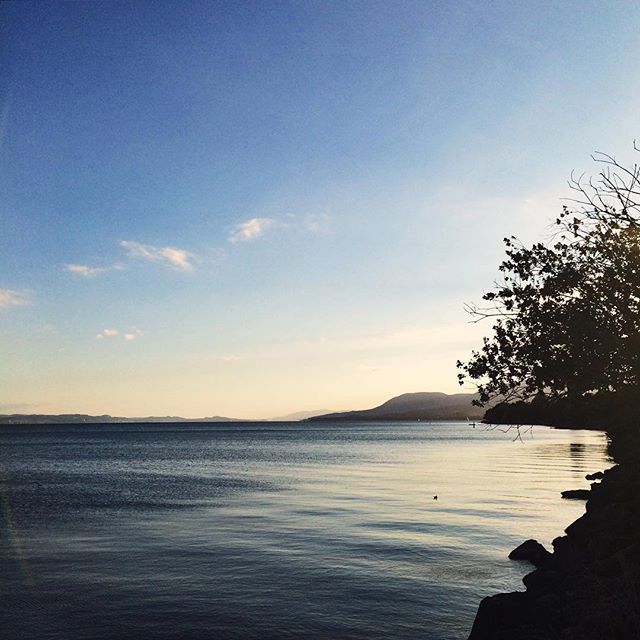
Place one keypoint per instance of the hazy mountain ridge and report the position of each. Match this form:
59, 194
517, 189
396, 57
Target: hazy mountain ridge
425, 405
300, 415
81, 418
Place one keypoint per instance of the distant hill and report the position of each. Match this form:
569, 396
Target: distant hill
416, 406
300, 415
81, 418
408, 406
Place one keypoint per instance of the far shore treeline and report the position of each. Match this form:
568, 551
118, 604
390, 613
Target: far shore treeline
565, 348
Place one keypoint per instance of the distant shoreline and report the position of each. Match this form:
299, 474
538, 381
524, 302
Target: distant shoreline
24, 421
422, 405
79, 418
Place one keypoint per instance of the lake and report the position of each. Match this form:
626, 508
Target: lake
273, 530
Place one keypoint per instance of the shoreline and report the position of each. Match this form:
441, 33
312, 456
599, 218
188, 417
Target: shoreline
589, 586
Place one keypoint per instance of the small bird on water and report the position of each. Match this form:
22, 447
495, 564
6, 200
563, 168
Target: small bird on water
435, 497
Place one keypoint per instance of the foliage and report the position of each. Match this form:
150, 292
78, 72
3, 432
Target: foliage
568, 311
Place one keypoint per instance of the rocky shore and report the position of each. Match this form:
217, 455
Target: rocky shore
588, 588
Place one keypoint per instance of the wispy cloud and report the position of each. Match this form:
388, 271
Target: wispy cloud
184, 260
82, 270
107, 333
177, 258
255, 228
13, 298
85, 271
250, 229
129, 335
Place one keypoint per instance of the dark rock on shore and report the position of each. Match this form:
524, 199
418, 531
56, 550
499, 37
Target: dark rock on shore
500, 612
589, 587
576, 494
532, 551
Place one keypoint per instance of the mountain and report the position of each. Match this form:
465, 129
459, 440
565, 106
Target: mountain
81, 418
416, 406
300, 415
408, 406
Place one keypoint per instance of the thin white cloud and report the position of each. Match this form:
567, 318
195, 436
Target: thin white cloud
132, 334
85, 271
13, 298
255, 228
177, 258
107, 333
250, 229
82, 270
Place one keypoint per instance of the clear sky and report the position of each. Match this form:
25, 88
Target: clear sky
255, 208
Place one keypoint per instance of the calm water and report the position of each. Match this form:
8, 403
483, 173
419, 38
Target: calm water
272, 530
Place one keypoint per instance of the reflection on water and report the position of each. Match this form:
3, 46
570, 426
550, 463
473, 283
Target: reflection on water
272, 530
577, 452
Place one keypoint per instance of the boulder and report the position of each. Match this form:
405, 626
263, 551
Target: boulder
579, 529
567, 555
576, 494
532, 551
499, 614
542, 581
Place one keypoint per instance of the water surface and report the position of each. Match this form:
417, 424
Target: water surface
281, 530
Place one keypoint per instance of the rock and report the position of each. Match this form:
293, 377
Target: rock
579, 528
589, 587
542, 581
502, 612
561, 544
598, 475
532, 551
577, 494
549, 606
567, 555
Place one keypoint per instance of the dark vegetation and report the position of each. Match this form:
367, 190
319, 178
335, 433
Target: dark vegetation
607, 410
568, 311
565, 351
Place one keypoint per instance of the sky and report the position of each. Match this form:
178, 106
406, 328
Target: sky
249, 209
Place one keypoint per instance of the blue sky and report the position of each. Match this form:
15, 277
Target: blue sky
268, 207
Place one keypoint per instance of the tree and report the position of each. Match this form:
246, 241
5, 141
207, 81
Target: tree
567, 312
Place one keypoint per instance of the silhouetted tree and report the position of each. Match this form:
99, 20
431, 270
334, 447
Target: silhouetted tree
567, 312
